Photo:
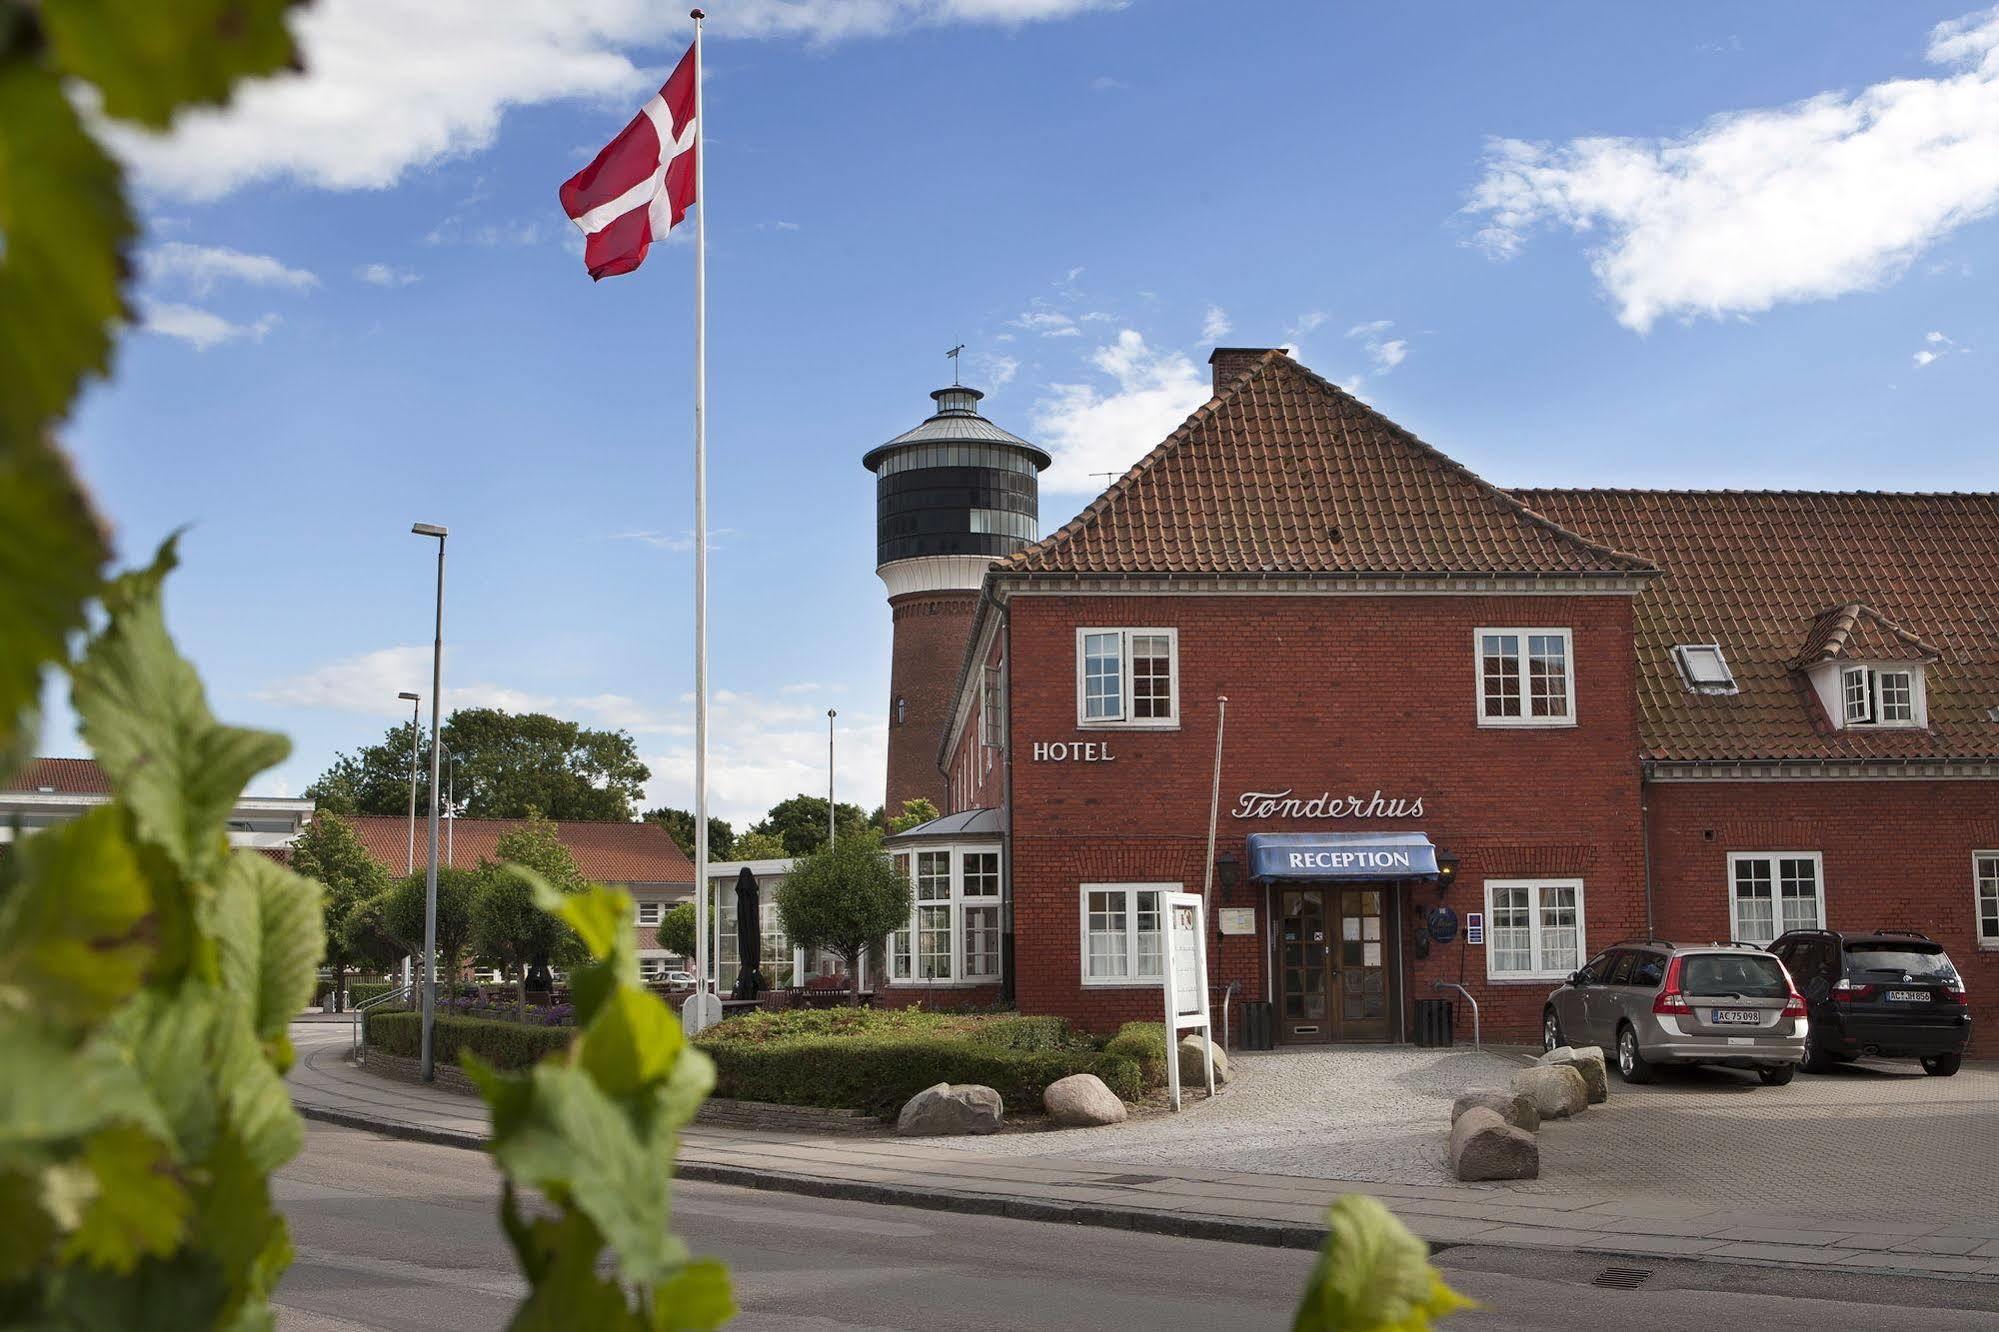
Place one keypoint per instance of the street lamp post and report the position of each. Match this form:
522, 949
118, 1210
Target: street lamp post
409, 863
830, 821
428, 1073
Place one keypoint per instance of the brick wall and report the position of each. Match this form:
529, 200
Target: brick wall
1347, 694
930, 633
978, 773
1897, 854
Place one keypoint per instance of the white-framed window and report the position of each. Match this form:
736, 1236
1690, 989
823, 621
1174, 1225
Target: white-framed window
1881, 696
1704, 669
1773, 892
1128, 677
1895, 697
1534, 928
992, 724
1526, 677
650, 913
1123, 933
953, 934
652, 968
1985, 895
1856, 695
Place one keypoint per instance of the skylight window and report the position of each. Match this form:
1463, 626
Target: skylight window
1704, 669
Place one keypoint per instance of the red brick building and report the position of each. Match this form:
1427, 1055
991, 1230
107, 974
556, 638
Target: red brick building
1577, 716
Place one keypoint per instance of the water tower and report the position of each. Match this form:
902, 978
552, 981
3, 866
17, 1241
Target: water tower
951, 496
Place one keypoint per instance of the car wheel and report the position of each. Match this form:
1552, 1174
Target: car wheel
1631, 1065
1551, 1032
1816, 1059
1778, 1076
1942, 1066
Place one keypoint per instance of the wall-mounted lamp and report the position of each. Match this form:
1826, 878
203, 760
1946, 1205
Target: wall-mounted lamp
1447, 874
1229, 870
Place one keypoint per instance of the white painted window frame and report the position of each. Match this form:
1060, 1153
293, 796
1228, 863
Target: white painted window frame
1524, 677
1683, 658
1869, 717
1131, 979
1735, 858
1126, 722
1984, 877
1538, 969
904, 940
658, 910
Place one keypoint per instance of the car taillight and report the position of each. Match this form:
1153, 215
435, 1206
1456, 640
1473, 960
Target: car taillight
1794, 1007
1670, 1000
1846, 992
1953, 993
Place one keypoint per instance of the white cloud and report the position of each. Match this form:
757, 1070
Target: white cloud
763, 750
1048, 323
1936, 347
1935, 337
1834, 194
1385, 352
200, 329
679, 542
1923, 358
393, 86
199, 269
995, 368
1105, 83
386, 275
1215, 324
368, 683
1091, 431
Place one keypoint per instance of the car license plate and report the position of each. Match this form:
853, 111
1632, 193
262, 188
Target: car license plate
1742, 1040
1908, 996
1737, 1017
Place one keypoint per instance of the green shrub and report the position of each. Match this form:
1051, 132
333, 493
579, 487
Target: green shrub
877, 1073
1144, 1043
761, 1027
1031, 1033
360, 992
505, 1045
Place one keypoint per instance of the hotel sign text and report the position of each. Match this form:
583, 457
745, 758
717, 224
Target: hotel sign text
1072, 751
1284, 805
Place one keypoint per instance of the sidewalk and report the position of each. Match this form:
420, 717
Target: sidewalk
1278, 1209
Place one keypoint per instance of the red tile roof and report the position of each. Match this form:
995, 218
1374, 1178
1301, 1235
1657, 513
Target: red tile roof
1756, 571
1284, 473
71, 776
607, 852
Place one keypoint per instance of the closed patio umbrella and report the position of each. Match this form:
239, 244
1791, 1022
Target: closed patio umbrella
749, 937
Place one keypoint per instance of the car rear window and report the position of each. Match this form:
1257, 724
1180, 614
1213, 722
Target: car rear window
1918, 961
1751, 975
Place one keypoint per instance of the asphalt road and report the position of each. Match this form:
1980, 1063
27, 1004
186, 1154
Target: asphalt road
395, 1235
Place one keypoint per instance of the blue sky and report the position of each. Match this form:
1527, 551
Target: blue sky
1569, 244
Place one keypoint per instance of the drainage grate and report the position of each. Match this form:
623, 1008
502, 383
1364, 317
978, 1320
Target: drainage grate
1130, 1179
1622, 1278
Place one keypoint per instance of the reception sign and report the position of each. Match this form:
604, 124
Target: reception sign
1321, 856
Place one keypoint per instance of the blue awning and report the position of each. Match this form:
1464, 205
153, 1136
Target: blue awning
1341, 856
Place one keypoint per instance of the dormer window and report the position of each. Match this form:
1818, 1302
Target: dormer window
1703, 669
1880, 696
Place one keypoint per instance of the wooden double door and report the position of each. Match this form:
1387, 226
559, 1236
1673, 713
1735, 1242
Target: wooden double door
1335, 963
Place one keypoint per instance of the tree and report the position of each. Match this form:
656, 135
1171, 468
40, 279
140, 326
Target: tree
914, 812
404, 911
328, 851
510, 766
365, 934
680, 826
758, 846
846, 899
676, 930
507, 926
800, 823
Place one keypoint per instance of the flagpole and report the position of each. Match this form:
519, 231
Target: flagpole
702, 1002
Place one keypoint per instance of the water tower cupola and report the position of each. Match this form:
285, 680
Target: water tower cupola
951, 496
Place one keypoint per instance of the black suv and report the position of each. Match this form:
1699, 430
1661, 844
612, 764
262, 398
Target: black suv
1892, 993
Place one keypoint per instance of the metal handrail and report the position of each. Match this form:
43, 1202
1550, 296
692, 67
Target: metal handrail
1228, 993
1477, 1041
400, 992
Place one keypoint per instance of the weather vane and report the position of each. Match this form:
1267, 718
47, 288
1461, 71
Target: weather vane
953, 354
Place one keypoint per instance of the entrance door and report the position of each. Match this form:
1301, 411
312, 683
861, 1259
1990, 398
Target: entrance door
1304, 965
1362, 968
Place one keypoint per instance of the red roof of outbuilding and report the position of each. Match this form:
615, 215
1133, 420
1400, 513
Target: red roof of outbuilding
607, 852
70, 776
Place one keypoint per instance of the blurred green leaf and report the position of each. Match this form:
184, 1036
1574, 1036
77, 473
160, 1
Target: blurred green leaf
1373, 1276
142, 709
256, 1106
25, 1222
55, 1091
236, 1224
71, 946
595, 914
271, 933
149, 59
169, 1038
63, 213
140, 1207
694, 1299
630, 1043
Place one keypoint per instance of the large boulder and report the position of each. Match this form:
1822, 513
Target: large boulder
1586, 1060
950, 1110
1192, 1048
1556, 1090
1484, 1146
1081, 1100
1510, 1106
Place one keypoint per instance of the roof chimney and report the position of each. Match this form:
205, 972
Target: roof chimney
1232, 363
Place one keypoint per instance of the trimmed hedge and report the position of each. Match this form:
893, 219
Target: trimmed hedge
1144, 1043
1032, 1033
360, 992
878, 1072
505, 1045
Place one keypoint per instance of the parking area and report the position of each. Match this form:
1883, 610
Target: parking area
1877, 1138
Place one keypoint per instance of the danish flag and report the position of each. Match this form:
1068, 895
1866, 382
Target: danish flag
642, 184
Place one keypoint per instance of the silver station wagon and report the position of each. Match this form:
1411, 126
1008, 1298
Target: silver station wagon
1651, 1002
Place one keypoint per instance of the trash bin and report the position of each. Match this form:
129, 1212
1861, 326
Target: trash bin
1256, 1023
1434, 1022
